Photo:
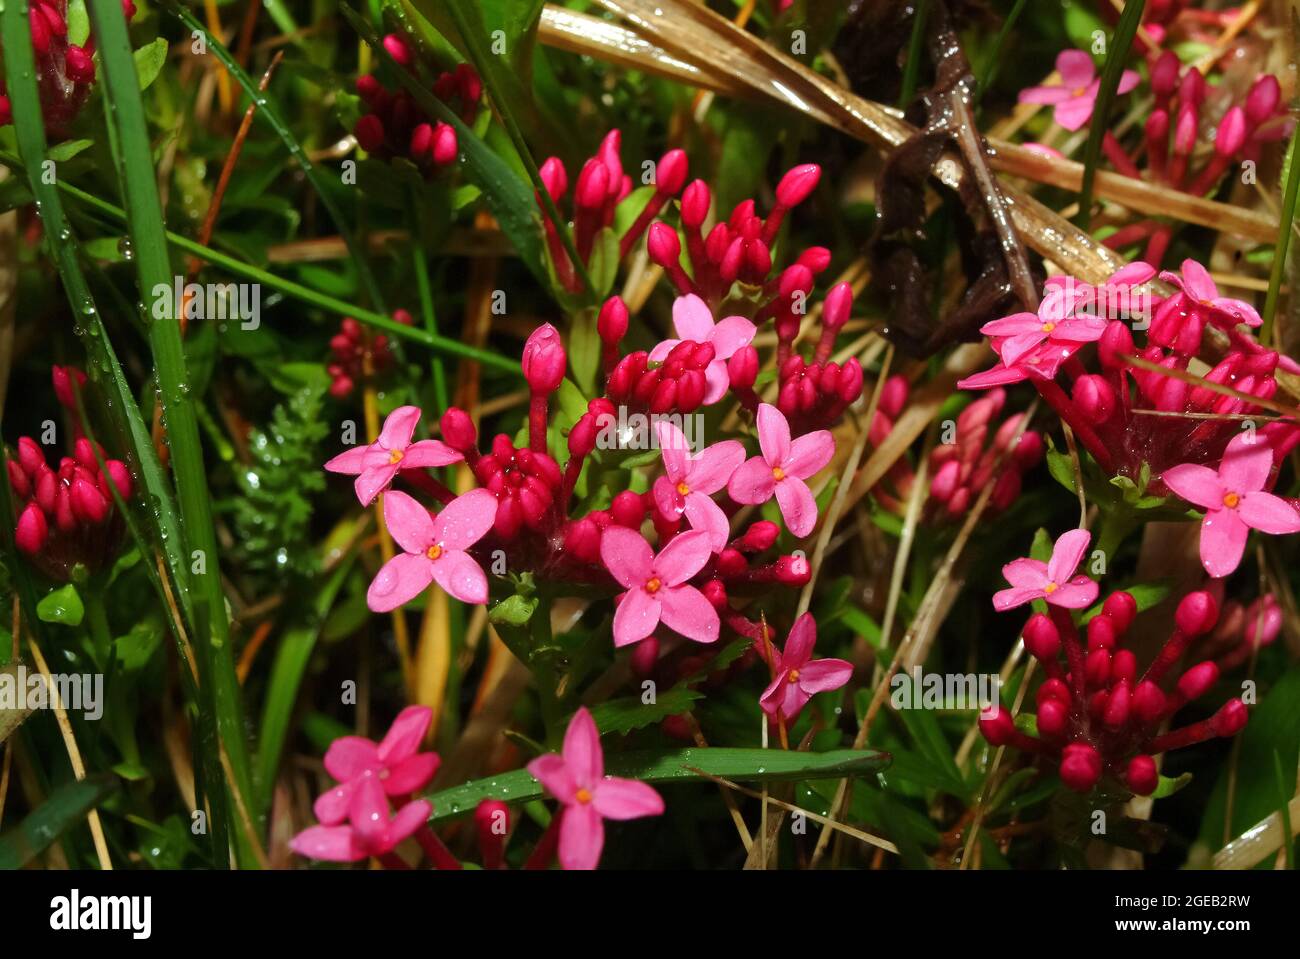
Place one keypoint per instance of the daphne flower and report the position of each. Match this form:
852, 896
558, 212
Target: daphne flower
694, 322
434, 549
690, 481
1054, 323
1181, 319
395, 763
1076, 95
656, 585
1234, 501
373, 830
782, 469
1053, 581
376, 465
576, 777
796, 677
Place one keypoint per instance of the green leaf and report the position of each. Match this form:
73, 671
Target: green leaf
149, 61
1167, 786
62, 152
62, 606
514, 610
674, 765
65, 808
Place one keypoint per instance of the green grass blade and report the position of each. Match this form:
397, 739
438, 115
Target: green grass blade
136, 174
1116, 56
66, 807
1286, 222
674, 765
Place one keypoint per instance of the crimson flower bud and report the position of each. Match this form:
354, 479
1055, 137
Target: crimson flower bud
670, 173
1041, 638
1230, 719
369, 132
1262, 100
760, 536
544, 359
79, 65
797, 183
554, 178
32, 530
445, 145
1094, 397
1149, 701
1116, 341
716, 593
582, 438
30, 456
397, 49
837, 306
793, 571
1231, 135
731, 563
695, 204
64, 377
593, 183
1164, 74
611, 324
1053, 716
663, 246
644, 656
1141, 775
458, 429
628, 509
1120, 608
1197, 613
997, 726
742, 368
1101, 632
1198, 680
1080, 767
120, 477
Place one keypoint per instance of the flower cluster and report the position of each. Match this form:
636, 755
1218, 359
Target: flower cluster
66, 516
65, 72
394, 124
1098, 717
1241, 630
358, 355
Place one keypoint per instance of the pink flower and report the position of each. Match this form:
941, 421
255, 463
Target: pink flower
694, 322
434, 549
1076, 95
1234, 501
796, 676
577, 779
690, 481
373, 831
376, 465
396, 764
782, 469
656, 585
1183, 316
1053, 581
1041, 362
1054, 323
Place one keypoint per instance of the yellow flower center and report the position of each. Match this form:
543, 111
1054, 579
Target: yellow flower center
1048, 327
652, 584
583, 795
778, 474
395, 456
794, 675
683, 488
1231, 500
1049, 589
1080, 91
434, 551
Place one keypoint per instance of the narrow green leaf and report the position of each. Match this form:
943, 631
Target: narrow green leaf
66, 807
1116, 58
1285, 222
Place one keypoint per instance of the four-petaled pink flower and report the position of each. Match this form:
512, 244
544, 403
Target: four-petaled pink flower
1234, 501
434, 549
782, 469
1076, 95
796, 676
1053, 581
396, 764
1054, 323
694, 322
1181, 319
577, 779
372, 831
656, 585
376, 465
1041, 362
690, 481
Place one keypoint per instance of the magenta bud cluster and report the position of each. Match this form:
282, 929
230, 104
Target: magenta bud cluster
357, 354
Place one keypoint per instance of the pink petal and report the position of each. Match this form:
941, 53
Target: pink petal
331, 807
369, 813
399, 427
616, 798
461, 576
683, 557
772, 697
662, 349
1246, 463
1132, 274
1239, 310
1128, 80
692, 319
374, 481
730, 335
773, 434
411, 774
582, 836
427, 453
667, 499
713, 467
1223, 540
356, 460
635, 617
717, 381
675, 450
1074, 594
408, 819
582, 752
465, 520
1026, 573
789, 699
1199, 485
1005, 599
550, 770
405, 735
1268, 513
1000, 375
328, 844
706, 515
627, 556
399, 581
684, 610
809, 453
799, 644
798, 507
350, 756
1046, 96
1013, 325
408, 522
1197, 281
1076, 68
1014, 347
1080, 329
1074, 113
1067, 554
823, 675
752, 483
